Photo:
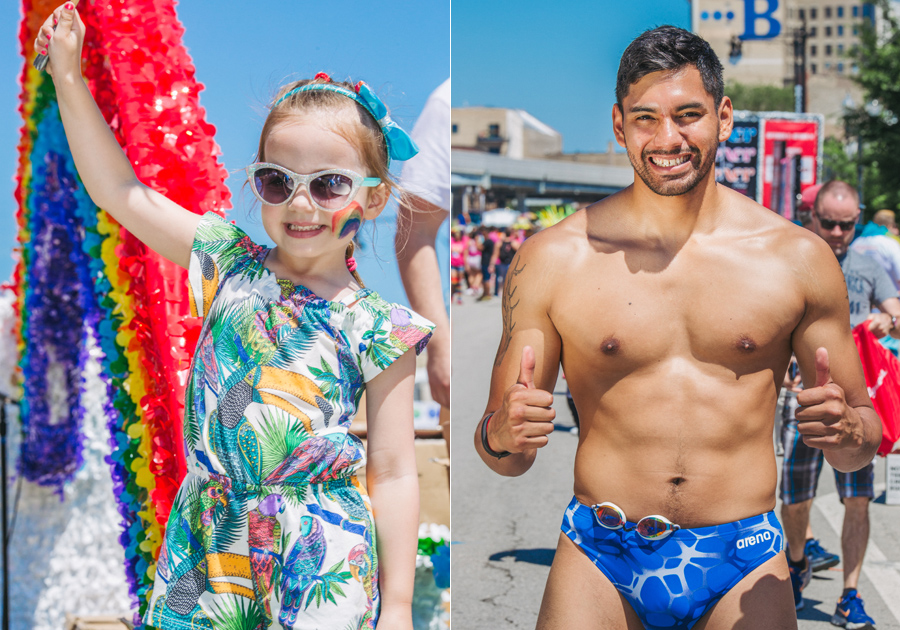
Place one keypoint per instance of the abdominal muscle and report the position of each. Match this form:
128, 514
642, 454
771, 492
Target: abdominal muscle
695, 448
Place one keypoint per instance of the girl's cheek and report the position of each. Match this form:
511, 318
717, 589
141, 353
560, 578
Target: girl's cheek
347, 222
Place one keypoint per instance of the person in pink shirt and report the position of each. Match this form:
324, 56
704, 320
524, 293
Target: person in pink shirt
457, 264
473, 261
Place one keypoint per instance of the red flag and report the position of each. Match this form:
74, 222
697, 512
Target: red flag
882, 370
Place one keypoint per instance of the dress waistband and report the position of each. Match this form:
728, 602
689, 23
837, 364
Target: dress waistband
241, 486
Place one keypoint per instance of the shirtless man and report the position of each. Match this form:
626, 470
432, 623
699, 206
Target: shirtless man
673, 306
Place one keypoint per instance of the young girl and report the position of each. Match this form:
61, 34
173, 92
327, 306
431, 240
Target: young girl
271, 528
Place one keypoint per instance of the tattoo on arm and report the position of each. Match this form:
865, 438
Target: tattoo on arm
510, 302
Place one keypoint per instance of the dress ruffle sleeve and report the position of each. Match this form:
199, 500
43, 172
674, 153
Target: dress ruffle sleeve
218, 247
383, 331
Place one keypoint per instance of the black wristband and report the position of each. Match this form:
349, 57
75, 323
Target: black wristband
484, 440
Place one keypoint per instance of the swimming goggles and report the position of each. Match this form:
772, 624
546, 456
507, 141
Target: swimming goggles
654, 527
330, 190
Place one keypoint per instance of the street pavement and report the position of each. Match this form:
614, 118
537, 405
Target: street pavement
505, 530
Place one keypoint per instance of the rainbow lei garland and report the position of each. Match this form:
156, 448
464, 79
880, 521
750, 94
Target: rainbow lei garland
82, 276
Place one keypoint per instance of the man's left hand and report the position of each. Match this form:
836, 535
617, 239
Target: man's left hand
880, 324
824, 418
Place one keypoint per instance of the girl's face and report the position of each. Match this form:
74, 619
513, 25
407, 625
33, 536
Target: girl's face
308, 144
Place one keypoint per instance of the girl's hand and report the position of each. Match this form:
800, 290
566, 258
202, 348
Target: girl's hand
105, 170
64, 43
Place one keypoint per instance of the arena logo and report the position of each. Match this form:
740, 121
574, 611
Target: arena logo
748, 541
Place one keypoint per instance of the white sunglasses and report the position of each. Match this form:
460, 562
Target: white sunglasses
330, 190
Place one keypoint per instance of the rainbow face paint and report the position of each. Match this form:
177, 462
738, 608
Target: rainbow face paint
347, 222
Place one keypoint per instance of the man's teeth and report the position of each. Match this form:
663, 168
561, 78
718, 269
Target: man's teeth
303, 228
672, 162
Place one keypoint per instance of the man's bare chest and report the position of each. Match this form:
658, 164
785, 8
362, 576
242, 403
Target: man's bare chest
722, 310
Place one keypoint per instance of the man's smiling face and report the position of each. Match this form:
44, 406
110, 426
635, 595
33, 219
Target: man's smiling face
671, 128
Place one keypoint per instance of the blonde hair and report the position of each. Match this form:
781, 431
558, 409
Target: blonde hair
359, 128
885, 218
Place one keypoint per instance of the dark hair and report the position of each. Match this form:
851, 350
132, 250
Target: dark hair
669, 48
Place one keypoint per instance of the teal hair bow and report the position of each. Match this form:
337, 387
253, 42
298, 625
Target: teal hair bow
400, 145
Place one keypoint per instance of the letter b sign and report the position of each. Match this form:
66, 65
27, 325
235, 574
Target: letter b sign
754, 17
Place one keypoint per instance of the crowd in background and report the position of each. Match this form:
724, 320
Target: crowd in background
480, 257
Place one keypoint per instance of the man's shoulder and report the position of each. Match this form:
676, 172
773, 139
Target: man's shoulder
796, 236
776, 234
557, 240
809, 264
807, 248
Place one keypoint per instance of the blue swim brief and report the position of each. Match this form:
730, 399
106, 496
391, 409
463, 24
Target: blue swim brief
673, 582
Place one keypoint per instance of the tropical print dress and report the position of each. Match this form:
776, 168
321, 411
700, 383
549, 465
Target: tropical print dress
271, 528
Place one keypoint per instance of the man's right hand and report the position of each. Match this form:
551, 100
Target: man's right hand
525, 418
824, 418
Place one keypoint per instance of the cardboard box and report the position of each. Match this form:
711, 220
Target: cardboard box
433, 466
434, 481
892, 479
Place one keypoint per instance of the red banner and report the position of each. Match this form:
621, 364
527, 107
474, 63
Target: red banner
790, 155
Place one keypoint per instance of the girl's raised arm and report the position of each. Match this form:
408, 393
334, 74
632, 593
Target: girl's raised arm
159, 223
393, 485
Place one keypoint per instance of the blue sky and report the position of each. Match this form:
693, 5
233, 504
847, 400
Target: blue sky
556, 60
243, 51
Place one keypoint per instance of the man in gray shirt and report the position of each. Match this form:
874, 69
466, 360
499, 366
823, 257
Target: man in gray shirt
834, 218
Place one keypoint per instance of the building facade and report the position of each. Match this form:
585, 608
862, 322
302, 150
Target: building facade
508, 158
832, 31
757, 37
511, 132
762, 42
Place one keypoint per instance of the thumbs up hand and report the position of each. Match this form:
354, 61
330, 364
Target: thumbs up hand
824, 418
526, 368
525, 418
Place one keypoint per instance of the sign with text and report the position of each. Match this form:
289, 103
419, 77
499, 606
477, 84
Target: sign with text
790, 157
737, 158
759, 20
892, 472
